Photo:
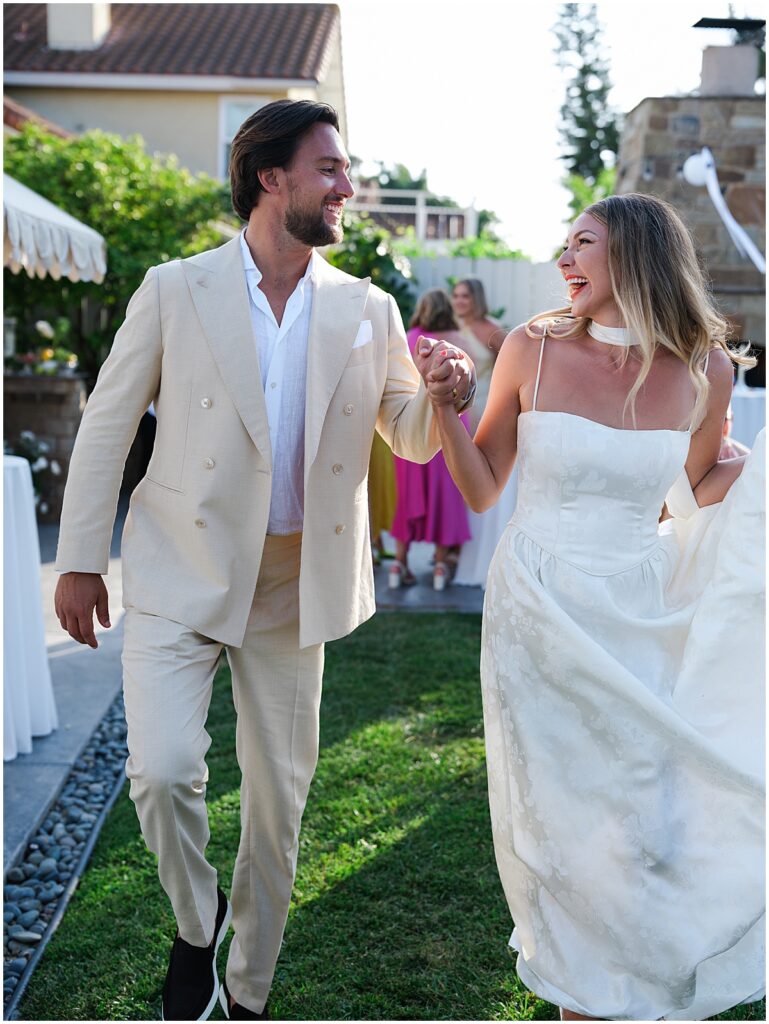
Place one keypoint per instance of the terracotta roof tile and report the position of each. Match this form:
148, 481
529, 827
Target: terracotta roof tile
235, 40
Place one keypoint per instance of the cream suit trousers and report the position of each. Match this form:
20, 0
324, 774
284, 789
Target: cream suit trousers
168, 676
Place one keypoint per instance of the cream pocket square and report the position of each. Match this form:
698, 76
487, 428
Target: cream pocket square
365, 334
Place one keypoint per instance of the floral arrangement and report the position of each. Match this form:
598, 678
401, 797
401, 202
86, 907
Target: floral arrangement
51, 358
29, 447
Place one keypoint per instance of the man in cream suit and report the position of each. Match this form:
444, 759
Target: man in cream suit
269, 370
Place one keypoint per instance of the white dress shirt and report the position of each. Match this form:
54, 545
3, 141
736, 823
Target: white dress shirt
282, 352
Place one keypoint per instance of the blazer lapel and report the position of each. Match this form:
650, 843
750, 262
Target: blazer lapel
338, 303
217, 284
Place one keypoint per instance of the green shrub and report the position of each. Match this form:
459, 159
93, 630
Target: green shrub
148, 209
368, 251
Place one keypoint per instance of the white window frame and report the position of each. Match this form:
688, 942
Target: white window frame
255, 102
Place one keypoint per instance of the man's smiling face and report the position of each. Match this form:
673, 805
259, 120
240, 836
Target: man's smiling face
318, 187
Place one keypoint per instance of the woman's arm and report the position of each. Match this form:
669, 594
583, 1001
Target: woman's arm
480, 466
497, 337
706, 440
715, 484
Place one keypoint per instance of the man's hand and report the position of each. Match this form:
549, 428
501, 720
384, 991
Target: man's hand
447, 371
77, 594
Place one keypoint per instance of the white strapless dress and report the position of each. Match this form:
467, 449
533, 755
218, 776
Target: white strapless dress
622, 674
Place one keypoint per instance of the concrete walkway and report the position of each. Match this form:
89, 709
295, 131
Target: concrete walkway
421, 597
86, 681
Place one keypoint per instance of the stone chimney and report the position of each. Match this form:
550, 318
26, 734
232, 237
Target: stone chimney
77, 26
729, 70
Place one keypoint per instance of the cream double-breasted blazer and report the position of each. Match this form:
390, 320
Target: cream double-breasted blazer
194, 535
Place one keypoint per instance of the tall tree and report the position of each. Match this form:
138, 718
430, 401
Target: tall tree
589, 127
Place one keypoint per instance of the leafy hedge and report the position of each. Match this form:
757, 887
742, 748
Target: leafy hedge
367, 251
148, 209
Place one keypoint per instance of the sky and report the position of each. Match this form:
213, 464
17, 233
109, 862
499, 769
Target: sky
471, 92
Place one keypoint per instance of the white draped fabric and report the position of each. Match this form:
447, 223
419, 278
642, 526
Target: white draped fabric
28, 703
43, 240
622, 675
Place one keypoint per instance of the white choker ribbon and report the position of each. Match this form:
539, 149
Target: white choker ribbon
610, 335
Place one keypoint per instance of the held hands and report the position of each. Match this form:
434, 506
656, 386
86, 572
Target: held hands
77, 595
447, 371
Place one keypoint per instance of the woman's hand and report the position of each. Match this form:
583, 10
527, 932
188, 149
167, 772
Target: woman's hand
446, 370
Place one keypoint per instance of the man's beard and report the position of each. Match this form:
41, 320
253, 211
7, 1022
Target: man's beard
309, 226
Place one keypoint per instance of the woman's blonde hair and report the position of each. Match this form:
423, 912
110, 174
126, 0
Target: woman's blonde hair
434, 312
660, 290
475, 287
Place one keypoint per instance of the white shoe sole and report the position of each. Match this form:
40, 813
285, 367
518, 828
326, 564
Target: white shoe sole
223, 1001
219, 939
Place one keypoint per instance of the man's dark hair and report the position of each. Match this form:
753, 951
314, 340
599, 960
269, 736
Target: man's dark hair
268, 138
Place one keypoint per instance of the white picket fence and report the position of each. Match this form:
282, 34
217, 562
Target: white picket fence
516, 286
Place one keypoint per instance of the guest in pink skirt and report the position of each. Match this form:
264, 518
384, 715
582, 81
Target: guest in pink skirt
429, 507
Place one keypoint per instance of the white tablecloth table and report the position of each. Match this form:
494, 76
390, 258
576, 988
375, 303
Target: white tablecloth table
749, 411
28, 703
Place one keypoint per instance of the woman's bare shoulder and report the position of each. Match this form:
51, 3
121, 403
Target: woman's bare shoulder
720, 369
720, 374
519, 347
530, 335
557, 330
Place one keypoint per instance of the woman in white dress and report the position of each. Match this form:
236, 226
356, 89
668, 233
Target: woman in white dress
621, 664
482, 339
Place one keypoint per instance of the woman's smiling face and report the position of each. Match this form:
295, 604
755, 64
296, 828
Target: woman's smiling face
584, 264
462, 300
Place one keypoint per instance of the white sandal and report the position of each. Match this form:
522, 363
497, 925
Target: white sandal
398, 575
441, 576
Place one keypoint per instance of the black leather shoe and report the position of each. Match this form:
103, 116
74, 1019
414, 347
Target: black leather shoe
192, 984
236, 1011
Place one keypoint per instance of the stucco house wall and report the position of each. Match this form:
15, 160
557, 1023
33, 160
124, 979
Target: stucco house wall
180, 98
189, 124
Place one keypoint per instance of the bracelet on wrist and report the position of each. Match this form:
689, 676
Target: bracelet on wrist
469, 396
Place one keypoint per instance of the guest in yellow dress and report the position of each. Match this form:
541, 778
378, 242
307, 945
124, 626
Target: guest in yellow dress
382, 494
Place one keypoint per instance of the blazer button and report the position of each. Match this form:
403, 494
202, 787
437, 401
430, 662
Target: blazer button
206, 402
337, 469
208, 463
339, 528
348, 410
200, 523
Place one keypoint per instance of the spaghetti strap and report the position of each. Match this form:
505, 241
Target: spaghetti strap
539, 367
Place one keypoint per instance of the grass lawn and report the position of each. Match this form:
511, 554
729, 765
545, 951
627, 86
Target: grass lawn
397, 914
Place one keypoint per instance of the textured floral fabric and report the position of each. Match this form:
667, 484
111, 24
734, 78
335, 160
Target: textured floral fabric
622, 675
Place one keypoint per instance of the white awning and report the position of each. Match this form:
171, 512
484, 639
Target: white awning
43, 240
